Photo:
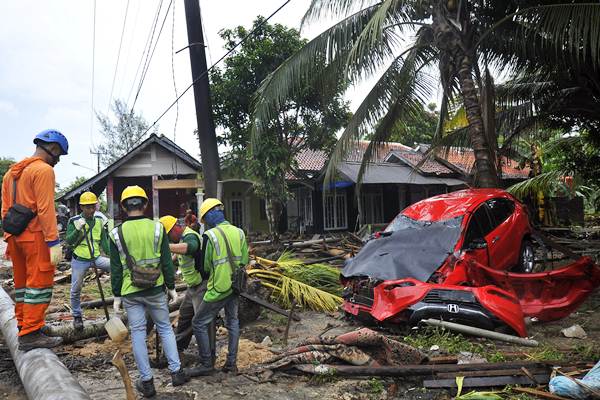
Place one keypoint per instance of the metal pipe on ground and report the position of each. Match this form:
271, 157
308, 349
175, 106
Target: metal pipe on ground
44, 377
470, 330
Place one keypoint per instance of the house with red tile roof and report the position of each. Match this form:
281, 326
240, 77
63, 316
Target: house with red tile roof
397, 177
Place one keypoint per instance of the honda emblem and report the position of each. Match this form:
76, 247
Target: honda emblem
453, 308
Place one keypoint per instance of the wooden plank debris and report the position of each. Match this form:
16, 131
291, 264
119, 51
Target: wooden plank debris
479, 382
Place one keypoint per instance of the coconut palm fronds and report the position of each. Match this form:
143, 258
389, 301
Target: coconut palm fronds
285, 289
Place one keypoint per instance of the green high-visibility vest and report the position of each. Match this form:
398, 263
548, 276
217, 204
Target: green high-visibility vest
219, 282
187, 263
143, 238
94, 236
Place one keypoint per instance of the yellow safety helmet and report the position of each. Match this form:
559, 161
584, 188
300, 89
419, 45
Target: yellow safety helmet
208, 205
133, 191
87, 198
168, 222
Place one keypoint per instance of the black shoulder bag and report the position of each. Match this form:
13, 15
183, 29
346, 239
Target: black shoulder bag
18, 216
239, 277
142, 276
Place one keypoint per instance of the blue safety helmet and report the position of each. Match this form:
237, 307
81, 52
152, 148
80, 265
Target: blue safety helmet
53, 136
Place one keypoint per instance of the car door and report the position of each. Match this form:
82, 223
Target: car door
504, 242
478, 227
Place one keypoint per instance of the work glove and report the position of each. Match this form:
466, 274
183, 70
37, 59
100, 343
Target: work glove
56, 254
117, 306
172, 295
79, 223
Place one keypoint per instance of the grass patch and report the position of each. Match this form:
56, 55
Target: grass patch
453, 343
587, 351
545, 353
375, 386
323, 378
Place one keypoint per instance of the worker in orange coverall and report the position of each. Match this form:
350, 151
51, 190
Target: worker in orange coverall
36, 251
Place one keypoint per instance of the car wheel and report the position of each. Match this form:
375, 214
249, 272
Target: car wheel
526, 257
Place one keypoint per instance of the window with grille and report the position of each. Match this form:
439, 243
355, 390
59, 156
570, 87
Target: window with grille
305, 211
334, 211
237, 212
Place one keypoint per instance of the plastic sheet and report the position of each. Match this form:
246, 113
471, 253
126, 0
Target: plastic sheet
414, 249
589, 386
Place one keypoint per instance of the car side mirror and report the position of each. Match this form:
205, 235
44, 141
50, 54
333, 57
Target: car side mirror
477, 244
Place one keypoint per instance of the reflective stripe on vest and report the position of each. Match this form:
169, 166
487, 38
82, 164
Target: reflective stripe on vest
187, 263
94, 236
143, 238
219, 283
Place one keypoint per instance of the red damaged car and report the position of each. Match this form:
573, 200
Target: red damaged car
466, 257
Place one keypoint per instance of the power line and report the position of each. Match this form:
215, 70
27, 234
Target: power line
151, 55
146, 48
128, 51
252, 32
112, 87
173, 71
93, 75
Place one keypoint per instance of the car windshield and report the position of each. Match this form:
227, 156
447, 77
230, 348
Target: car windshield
402, 222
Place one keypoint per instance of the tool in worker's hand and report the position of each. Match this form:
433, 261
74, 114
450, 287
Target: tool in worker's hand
87, 240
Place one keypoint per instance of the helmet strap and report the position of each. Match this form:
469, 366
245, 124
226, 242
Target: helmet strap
55, 158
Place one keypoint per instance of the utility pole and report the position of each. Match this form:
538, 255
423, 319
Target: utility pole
206, 128
97, 157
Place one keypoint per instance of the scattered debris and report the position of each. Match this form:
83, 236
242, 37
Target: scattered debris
574, 331
267, 342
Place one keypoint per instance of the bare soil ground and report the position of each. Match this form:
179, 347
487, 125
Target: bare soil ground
89, 361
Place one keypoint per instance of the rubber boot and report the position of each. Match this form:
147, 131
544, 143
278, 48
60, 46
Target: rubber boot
201, 370
37, 340
78, 323
179, 378
146, 388
229, 368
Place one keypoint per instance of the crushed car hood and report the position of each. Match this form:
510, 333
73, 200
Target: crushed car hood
416, 250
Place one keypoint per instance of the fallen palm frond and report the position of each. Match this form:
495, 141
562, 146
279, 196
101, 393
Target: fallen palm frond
285, 289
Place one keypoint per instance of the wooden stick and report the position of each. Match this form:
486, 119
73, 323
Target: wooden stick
268, 305
118, 362
539, 393
289, 322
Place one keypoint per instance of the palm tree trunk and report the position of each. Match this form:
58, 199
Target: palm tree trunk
485, 166
457, 58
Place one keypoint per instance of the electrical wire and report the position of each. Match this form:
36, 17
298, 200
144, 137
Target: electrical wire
173, 72
146, 48
128, 50
202, 75
151, 55
112, 87
93, 77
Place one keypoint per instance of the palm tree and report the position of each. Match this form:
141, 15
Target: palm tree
413, 45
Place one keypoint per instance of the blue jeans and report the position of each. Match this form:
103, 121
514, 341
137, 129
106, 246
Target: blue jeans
79, 269
158, 309
202, 319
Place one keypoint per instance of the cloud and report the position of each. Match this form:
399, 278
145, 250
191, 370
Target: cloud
8, 109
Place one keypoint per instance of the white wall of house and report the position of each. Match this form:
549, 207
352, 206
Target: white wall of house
154, 160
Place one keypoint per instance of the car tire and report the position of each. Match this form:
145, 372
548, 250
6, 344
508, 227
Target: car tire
526, 258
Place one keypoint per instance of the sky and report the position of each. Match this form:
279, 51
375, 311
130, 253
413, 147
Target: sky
46, 48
